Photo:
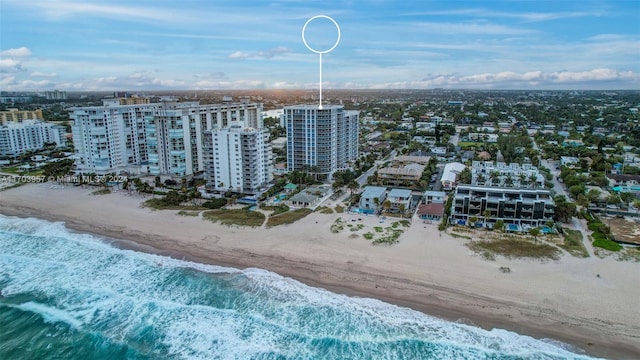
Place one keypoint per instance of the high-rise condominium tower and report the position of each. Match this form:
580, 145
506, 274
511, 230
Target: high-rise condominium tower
320, 141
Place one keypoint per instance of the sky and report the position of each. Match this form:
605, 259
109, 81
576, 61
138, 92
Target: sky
96, 45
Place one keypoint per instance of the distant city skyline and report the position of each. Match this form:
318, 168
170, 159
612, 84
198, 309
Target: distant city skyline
97, 45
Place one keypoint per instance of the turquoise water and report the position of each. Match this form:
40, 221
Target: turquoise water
626, 188
72, 296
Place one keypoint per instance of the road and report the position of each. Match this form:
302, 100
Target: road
558, 189
362, 179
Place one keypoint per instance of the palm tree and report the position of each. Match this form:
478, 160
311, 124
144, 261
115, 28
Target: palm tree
636, 204
376, 203
481, 179
487, 216
532, 179
508, 180
401, 207
386, 205
353, 185
534, 232
495, 177
473, 220
523, 179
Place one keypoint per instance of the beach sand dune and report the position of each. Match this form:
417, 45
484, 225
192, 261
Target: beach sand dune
427, 271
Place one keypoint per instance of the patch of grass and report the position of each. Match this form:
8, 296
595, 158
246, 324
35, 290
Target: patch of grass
188, 213
607, 244
238, 217
339, 209
12, 186
511, 248
460, 229
368, 236
458, 236
356, 227
104, 191
337, 226
160, 204
629, 254
324, 210
405, 223
378, 229
573, 243
390, 238
288, 217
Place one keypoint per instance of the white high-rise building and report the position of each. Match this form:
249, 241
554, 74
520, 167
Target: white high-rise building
175, 133
321, 141
166, 136
28, 135
238, 159
174, 138
110, 138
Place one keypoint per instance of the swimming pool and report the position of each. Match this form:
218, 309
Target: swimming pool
513, 227
626, 188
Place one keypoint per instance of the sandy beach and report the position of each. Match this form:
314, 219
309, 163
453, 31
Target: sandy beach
427, 270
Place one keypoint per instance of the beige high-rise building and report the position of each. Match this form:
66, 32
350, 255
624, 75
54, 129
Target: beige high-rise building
15, 115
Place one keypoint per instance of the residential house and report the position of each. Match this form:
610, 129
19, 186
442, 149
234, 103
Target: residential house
438, 197
450, 175
400, 200
433, 211
368, 203
407, 175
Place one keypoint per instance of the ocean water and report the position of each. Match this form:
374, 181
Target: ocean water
66, 295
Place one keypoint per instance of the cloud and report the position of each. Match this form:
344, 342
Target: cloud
42, 74
269, 54
532, 79
10, 66
20, 52
525, 16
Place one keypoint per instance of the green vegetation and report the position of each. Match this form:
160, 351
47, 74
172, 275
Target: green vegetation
337, 226
277, 209
457, 236
188, 213
16, 170
103, 191
512, 248
629, 254
391, 237
288, 217
339, 209
215, 203
12, 186
324, 210
238, 217
606, 244
368, 236
378, 229
573, 243
57, 168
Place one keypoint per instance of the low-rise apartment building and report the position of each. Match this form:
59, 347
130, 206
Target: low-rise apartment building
518, 208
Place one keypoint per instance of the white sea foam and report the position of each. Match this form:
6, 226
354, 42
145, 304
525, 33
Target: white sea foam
50, 314
206, 312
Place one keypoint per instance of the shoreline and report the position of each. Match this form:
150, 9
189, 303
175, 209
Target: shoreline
499, 306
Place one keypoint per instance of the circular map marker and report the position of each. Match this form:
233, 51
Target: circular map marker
320, 52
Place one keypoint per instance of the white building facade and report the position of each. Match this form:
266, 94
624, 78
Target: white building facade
237, 159
164, 138
110, 138
321, 141
28, 135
